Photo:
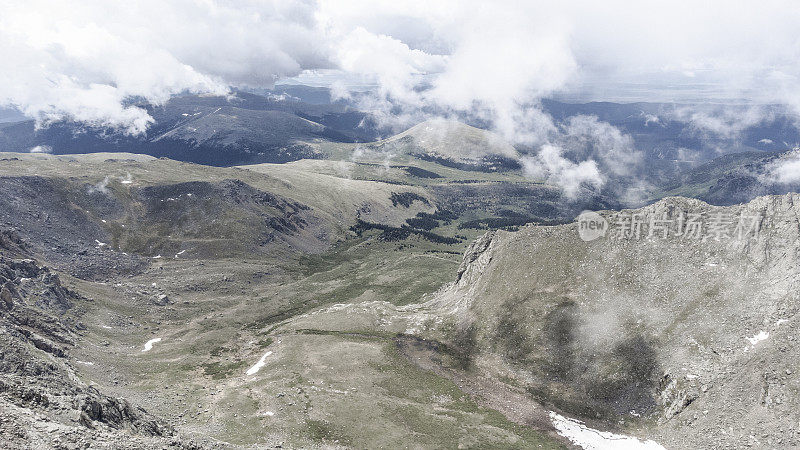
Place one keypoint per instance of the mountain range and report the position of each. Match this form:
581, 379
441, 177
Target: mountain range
270, 271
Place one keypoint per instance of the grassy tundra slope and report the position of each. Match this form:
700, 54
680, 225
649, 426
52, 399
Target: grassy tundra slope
206, 265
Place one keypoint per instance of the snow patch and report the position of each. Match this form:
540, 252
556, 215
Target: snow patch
589, 438
149, 344
339, 307
762, 335
253, 370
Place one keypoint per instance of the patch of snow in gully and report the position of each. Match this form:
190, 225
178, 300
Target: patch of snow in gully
590, 439
253, 370
762, 335
149, 344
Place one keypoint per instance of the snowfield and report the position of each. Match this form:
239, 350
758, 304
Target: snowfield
590, 439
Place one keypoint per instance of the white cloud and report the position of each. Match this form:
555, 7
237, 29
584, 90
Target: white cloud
581, 154
652, 119
724, 121
589, 138
688, 155
785, 170
494, 61
392, 62
83, 60
41, 149
101, 187
549, 164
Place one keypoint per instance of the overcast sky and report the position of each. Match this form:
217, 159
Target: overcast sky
83, 59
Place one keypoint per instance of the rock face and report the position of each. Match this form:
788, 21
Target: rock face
118, 414
469, 266
57, 220
41, 399
683, 314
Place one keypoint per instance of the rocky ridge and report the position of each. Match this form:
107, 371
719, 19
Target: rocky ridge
684, 336
42, 400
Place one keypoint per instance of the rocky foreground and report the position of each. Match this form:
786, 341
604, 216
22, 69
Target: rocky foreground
42, 402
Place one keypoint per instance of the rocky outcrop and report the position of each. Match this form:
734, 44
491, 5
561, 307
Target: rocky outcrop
39, 390
472, 254
11, 242
118, 414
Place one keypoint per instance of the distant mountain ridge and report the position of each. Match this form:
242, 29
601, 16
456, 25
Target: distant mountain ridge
212, 130
291, 123
279, 125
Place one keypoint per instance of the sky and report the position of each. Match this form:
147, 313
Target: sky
85, 60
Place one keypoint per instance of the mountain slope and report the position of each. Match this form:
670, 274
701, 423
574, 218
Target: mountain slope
689, 341
40, 326
734, 178
308, 305
449, 143
452, 139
